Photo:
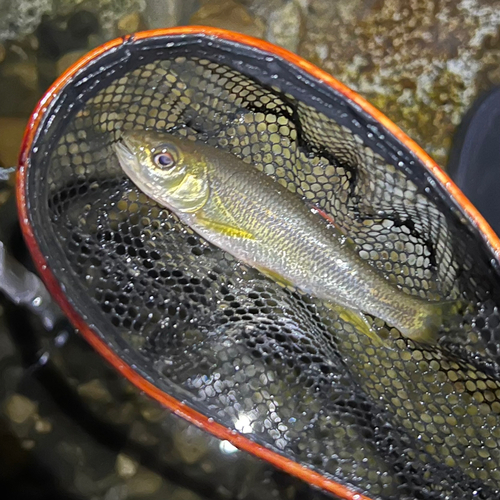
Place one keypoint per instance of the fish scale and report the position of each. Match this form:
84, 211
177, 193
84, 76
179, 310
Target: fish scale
260, 222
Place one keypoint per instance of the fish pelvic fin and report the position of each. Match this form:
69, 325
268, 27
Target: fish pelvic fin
359, 321
275, 276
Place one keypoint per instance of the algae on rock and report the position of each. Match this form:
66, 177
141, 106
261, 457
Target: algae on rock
421, 63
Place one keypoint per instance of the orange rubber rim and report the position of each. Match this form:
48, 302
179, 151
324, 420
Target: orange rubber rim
177, 407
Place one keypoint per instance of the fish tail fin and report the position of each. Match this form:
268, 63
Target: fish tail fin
439, 316
359, 321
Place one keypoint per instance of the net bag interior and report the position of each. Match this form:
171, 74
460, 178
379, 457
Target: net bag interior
402, 421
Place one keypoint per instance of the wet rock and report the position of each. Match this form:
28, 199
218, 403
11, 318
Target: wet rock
19, 80
117, 492
96, 391
421, 63
125, 466
7, 348
32, 42
153, 413
70, 32
24, 71
57, 37
11, 377
140, 434
81, 24
21, 17
190, 445
166, 13
28, 444
144, 483
68, 60
5, 194
19, 409
129, 23
71, 453
11, 135
43, 426
123, 414
184, 494
84, 483
285, 25
304, 5
263, 8
94, 41
229, 15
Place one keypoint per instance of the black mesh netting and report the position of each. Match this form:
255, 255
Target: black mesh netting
397, 422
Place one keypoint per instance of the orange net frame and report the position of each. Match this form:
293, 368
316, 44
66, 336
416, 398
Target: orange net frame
270, 369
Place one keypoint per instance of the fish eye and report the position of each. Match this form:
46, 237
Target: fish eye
164, 160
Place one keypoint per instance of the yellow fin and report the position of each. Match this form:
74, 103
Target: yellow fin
223, 228
358, 320
274, 276
445, 316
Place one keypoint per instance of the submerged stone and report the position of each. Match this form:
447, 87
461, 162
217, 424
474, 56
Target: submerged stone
421, 63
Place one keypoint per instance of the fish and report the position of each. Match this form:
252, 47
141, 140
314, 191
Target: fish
245, 212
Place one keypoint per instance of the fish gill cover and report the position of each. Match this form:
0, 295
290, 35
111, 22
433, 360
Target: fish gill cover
398, 421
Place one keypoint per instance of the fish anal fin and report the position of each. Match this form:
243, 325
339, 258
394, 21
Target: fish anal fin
359, 321
275, 276
223, 228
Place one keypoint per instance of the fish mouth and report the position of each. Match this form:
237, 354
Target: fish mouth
131, 165
122, 150
128, 161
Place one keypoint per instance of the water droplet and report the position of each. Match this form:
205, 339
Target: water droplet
227, 448
61, 339
42, 360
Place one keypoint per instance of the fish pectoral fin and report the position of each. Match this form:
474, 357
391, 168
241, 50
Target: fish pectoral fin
359, 321
223, 228
274, 276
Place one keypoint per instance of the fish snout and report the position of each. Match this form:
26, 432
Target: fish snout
133, 140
